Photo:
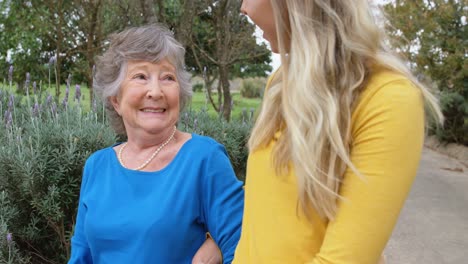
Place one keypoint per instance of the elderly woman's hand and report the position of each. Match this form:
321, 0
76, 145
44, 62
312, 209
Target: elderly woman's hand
208, 253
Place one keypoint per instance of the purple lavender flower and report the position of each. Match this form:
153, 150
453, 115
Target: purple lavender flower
36, 109
8, 118
9, 238
10, 74
53, 109
34, 87
5, 116
48, 99
78, 93
11, 102
252, 110
65, 98
195, 123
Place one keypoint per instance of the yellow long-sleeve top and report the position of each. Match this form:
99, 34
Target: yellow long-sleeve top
387, 139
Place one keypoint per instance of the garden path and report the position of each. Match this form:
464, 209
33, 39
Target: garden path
433, 225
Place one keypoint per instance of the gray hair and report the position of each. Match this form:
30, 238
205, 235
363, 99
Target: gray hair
151, 43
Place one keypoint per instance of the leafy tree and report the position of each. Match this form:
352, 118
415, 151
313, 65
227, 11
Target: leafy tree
222, 44
219, 40
433, 35
21, 42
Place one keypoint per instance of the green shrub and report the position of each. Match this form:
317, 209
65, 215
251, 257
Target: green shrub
41, 163
41, 160
455, 109
252, 88
198, 87
232, 135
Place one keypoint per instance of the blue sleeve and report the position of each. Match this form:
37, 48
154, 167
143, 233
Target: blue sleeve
80, 252
223, 202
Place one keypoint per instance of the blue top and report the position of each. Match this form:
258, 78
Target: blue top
128, 216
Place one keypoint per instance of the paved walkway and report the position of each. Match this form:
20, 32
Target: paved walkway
433, 226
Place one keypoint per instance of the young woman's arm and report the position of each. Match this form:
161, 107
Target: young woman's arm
388, 131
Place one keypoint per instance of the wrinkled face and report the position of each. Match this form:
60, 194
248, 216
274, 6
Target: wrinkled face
148, 100
261, 13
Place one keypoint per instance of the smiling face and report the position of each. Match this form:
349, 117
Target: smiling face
261, 13
148, 100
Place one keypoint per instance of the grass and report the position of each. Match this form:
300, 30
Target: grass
198, 100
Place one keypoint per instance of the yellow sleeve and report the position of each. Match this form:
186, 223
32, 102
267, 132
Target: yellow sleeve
388, 133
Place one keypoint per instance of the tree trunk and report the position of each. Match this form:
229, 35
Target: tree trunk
224, 80
184, 29
58, 49
93, 39
209, 94
148, 11
222, 23
161, 11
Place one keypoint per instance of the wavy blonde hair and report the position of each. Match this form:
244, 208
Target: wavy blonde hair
327, 48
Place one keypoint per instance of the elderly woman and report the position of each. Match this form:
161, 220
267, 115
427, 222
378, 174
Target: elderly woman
153, 198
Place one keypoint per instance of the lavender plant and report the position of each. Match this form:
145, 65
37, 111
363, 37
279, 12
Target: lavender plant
77, 93
44, 149
9, 252
41, 164
67, 92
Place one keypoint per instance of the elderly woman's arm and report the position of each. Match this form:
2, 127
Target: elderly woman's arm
223, 201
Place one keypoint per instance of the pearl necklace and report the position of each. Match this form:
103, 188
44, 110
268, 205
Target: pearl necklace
152, 155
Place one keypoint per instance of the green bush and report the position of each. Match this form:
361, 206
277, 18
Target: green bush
455, 109
252, 88
198, 87
233, 135
41, 160
9, 252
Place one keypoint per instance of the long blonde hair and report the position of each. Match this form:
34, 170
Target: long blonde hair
327, 49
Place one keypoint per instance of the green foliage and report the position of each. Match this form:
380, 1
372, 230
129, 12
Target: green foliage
455, 109
14, 16
31, 32
233, 135
9, 252
41, 163
252, 88
434, 37
198, 87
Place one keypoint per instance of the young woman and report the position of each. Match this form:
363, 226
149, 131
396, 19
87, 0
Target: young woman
337, 143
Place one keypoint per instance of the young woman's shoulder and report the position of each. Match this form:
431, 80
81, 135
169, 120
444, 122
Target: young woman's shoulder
388, 81
388, 99
385, 88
